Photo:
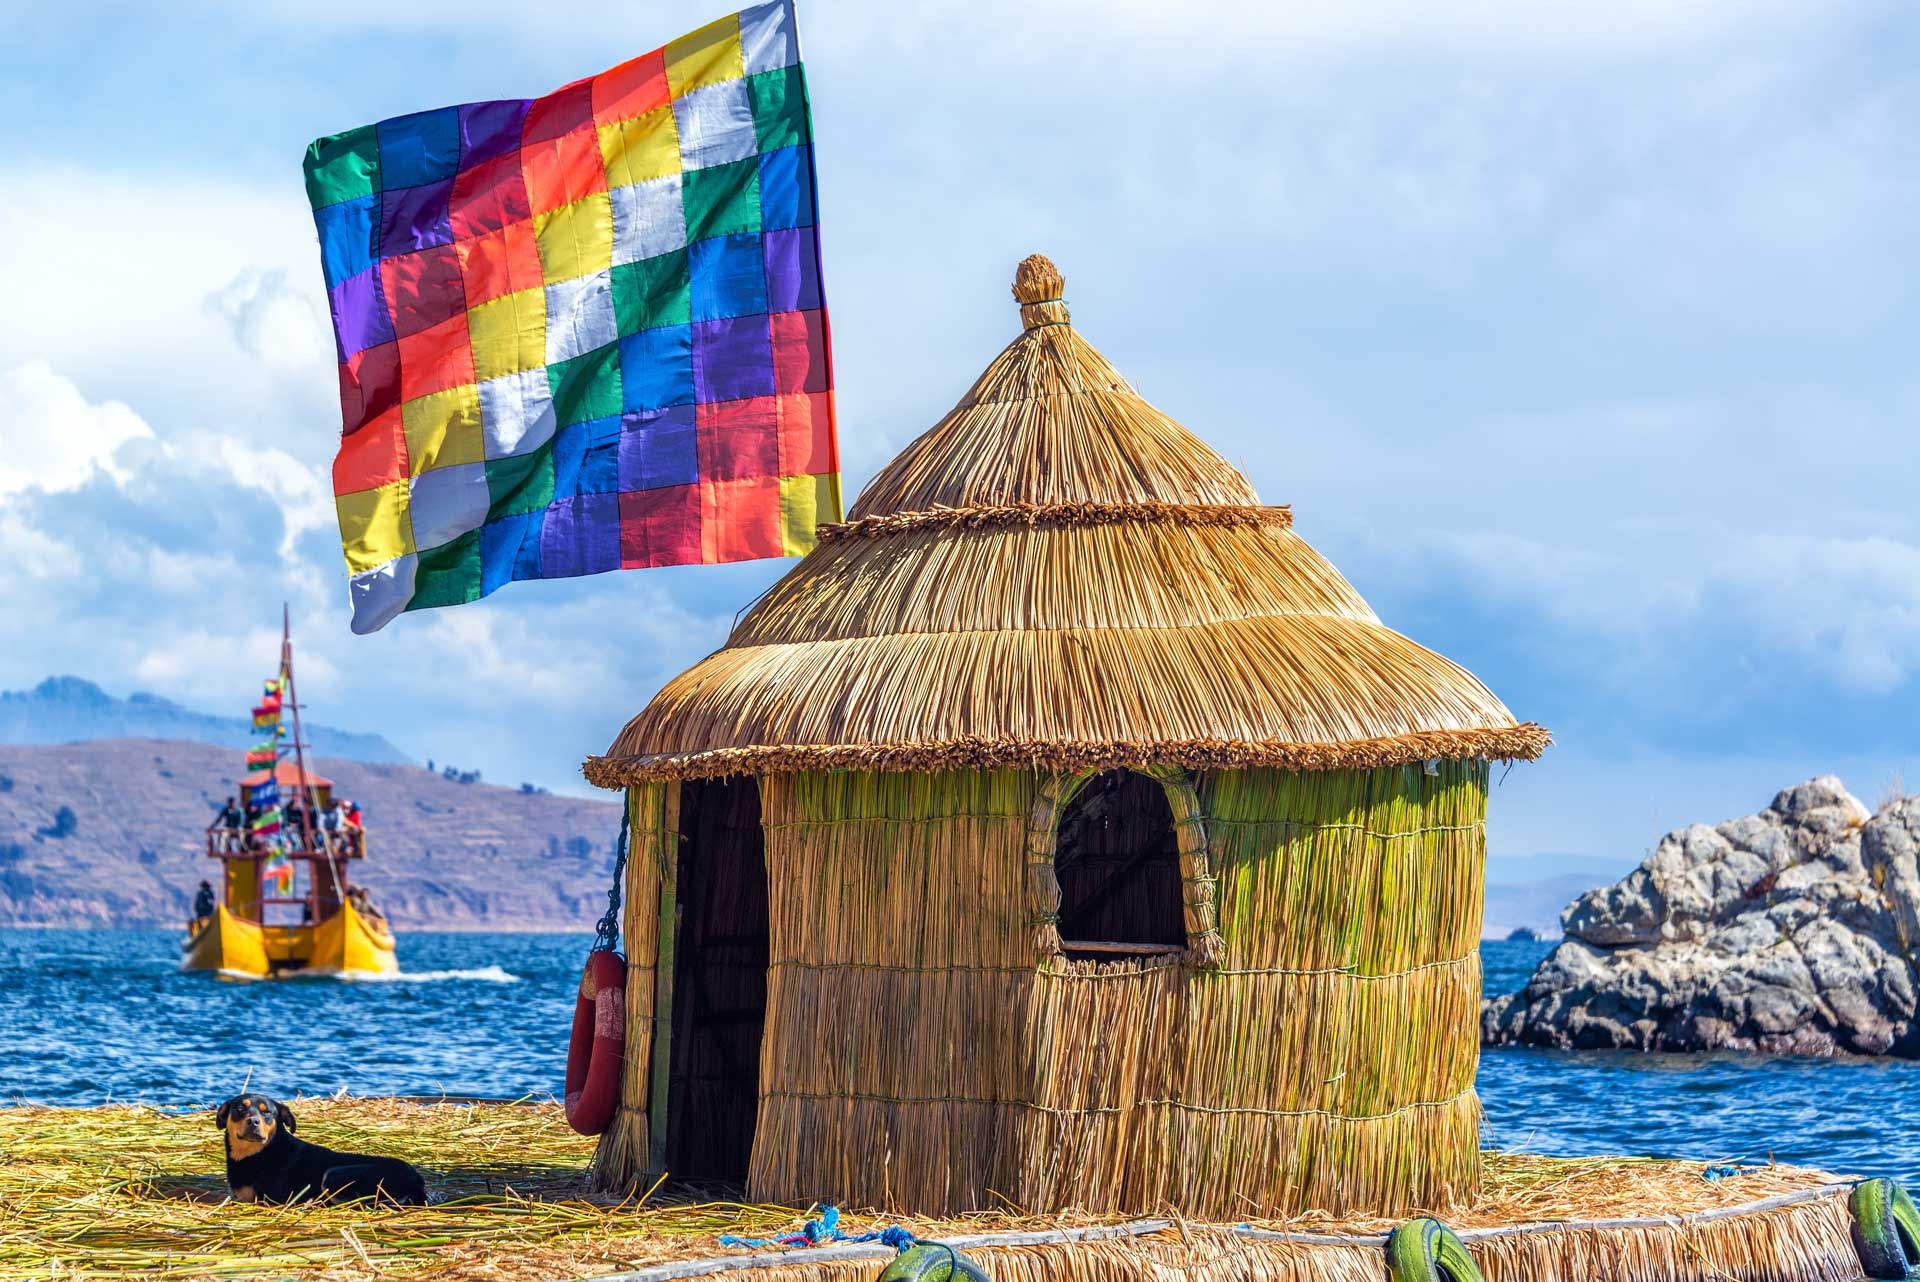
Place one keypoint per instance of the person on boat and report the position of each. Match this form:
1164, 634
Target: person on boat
350, 825
203, 900
362, 901
226, 828
332, 829
300, 819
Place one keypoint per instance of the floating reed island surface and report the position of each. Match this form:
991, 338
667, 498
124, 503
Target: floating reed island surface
131, 1191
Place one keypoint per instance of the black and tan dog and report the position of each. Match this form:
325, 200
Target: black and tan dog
266, 1162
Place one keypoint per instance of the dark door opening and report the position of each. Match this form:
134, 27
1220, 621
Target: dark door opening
719, 981
1118, 866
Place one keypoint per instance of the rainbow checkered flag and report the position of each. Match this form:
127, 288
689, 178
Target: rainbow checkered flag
583, 332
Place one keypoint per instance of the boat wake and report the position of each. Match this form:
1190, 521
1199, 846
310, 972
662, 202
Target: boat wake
477, 974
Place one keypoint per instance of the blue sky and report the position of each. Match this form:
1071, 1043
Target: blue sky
1580, 337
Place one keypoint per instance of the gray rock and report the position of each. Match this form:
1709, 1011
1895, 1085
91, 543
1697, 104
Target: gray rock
1789, 931
1889, 850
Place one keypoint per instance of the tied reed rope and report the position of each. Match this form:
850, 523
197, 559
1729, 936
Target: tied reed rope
1079, 514
622, 768
1098, 1110
1042, 301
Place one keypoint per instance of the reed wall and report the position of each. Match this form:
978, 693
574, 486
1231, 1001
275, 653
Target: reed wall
924, 1051
1327, 1062
894, 1070
626, 1150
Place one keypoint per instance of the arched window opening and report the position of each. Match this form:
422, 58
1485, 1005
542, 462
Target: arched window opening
1118, 867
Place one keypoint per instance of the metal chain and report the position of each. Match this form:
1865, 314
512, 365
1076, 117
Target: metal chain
607, 934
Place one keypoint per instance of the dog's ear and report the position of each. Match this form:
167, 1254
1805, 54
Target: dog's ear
284, 1116
220, 1116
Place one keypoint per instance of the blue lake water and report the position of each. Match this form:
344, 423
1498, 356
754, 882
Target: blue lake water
87, 1016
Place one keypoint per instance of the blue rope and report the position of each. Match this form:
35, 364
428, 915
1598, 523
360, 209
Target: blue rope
822, 1231
1721, 1172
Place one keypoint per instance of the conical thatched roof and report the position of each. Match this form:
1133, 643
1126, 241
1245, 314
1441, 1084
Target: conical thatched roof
1059, 575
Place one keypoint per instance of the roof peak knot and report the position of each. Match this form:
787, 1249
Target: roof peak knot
1040, 290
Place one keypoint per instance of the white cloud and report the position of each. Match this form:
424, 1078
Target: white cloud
305, 497
167, 569
1225, 25
33, 556
1847, 606
285, 327
143, 554
1685, 598
211, 662
127, 305
51, 436
1197, 35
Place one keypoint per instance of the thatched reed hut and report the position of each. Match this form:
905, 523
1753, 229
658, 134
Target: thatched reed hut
1062, 831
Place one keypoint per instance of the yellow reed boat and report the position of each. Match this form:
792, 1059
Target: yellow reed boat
348, 943
286, 900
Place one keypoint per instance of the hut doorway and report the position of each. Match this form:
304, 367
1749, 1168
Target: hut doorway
719, 981
1117, 862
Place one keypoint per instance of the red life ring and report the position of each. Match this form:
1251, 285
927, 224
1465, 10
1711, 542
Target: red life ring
599, 1043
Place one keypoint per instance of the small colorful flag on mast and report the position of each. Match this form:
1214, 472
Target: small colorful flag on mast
265, 754
276, 872
583, 332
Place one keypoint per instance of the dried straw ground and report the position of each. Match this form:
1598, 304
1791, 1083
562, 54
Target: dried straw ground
129, 1191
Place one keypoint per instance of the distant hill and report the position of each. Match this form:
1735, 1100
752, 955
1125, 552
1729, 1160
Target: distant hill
73, 710
1535, 905
111, 833
1530, 890
446, 855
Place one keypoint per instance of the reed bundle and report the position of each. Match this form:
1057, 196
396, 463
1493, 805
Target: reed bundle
1059, 576
1808, 1242
1051, 421
1804, 1242
130, 1191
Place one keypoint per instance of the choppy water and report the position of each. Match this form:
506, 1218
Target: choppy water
87, 1016
1857, 1116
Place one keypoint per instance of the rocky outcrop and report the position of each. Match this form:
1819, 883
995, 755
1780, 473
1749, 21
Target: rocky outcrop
1789, 931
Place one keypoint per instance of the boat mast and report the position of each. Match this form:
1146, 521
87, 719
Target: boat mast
300, 764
